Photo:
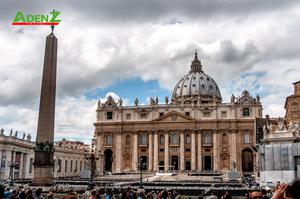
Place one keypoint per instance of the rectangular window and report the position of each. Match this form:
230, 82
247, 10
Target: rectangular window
144, 115
109, 115
3, 159
187, 150
161, 114
207, 139
174, 139
143, 139
108, 140
161, 150
246, 112
224, 114
187, 114
294, 108
206, 114
128, 116
246, 138
30, 165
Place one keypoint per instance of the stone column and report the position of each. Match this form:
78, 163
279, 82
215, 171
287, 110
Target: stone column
150, 168
155, 161
100, 149
199, 151
193, 151
135, 152
181, 151
23, 175
21, 165
118, 144
216, 150
233, 155
166, 167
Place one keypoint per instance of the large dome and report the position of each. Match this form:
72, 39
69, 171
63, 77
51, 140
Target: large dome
196, 87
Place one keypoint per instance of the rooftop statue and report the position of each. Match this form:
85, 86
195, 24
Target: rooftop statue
136, 101
120, 102
232, 99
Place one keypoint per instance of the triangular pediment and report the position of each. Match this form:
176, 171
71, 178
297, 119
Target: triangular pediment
174, 117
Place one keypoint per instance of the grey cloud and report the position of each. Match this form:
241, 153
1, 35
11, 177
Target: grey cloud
141, 11
231, 54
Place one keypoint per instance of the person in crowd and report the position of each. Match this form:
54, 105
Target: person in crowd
22, 194
164, 195
284, 191
226, 195
71, 195
50, 195
38, 194
7, 193
93, 194
256, 195
108, 194
264, 193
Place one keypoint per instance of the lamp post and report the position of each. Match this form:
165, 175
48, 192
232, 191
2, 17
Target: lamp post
11, 166
92, 157
141, 165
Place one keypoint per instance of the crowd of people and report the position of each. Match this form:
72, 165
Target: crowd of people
282, 191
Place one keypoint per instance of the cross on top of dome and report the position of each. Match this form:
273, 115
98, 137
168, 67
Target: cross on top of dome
196, 64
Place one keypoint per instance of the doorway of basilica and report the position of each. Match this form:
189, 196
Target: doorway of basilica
247, 161
108, 159
174, 162
207, 163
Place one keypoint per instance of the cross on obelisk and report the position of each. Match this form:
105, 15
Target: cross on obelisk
43, 155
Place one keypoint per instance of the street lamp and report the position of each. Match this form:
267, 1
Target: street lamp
141, 166
92, 157
11, 166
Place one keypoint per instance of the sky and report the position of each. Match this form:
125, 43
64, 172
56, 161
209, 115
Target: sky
141, 48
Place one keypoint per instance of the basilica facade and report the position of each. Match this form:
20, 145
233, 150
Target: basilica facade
193, 131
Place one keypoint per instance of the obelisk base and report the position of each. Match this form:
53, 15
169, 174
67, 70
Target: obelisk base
43, 176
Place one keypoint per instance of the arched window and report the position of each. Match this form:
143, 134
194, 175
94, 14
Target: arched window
246, 137
187, 139
161, 139
143, 139
127, 140
108, 140
174, 138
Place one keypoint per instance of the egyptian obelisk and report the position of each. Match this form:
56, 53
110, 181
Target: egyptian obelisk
43, 155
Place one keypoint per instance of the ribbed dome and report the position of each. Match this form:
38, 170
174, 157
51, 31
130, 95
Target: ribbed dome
196, 86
